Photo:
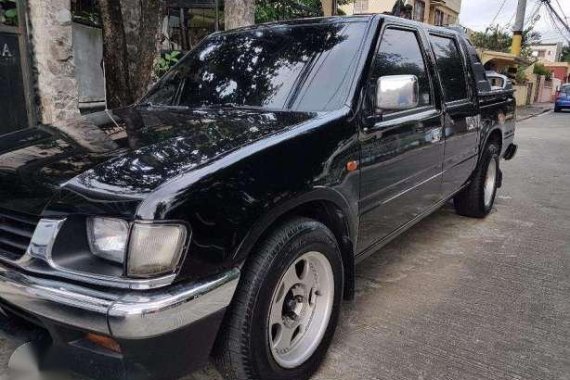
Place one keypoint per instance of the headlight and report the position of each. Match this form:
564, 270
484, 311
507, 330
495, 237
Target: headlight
155, 249
108, 238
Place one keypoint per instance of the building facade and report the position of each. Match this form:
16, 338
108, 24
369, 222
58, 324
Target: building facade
435, 12
547, 52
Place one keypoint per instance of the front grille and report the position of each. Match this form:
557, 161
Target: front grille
16, 230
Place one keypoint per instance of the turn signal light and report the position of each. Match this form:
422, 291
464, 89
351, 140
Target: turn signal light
104, 341
351, 166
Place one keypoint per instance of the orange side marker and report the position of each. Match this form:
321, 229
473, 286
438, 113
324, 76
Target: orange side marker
351, 166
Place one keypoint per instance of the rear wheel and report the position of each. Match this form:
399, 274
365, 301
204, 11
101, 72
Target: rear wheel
477, 199
556, 109
286, 307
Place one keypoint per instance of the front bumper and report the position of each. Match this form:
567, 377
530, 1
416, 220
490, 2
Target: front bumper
130, 317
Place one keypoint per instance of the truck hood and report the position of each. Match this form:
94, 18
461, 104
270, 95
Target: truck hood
126, 156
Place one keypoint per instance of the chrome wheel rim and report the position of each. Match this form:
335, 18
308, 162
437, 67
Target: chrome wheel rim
490, 182
300, 310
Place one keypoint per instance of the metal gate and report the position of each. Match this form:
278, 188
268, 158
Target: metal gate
16, 111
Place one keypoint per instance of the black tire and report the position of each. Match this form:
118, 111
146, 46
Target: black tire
556, 109
242, 350
471, 200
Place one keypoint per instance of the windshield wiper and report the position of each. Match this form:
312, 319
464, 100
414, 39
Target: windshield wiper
169, 106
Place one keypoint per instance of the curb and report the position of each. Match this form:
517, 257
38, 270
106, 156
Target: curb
534, 115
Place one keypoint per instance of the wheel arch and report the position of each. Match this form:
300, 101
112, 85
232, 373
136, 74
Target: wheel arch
494, 134
324, 205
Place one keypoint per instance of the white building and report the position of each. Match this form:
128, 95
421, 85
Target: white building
547, 52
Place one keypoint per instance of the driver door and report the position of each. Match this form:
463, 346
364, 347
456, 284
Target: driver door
402, 151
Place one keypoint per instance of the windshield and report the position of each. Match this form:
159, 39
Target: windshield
565, 89
305, 67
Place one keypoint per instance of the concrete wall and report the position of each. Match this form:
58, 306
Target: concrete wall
454, 5
521, 94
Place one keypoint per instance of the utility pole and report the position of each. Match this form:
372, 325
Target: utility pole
518, 28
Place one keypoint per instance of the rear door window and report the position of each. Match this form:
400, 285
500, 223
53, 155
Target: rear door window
451, 68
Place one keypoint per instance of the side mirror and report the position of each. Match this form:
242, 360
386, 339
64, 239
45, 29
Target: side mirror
397, 93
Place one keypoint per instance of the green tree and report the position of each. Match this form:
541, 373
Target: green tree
8, 12
272, 10
539, 69
499, 38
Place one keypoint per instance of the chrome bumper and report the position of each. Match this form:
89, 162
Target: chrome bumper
120, 314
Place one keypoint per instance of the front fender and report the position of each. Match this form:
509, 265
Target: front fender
320, 194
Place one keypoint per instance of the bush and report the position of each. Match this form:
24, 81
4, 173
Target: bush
539, 69
166, 62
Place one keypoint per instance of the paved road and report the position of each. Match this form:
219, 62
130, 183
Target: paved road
457, 298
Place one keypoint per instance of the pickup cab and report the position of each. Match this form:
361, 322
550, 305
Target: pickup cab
221, 216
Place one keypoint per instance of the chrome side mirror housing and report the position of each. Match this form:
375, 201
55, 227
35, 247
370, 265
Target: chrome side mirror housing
397, 93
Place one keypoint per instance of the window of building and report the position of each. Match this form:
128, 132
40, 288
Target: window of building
438, 17
400, 54
542, 53
419, 10
451, 68
361, 6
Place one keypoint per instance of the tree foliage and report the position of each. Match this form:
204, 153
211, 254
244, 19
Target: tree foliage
499, 38
272, 10
8, 12
540, 69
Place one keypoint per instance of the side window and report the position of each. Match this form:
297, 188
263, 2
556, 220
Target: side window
451, 68
400, 54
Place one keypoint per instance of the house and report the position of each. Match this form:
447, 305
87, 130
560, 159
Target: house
560, 70
547, 52
435, 12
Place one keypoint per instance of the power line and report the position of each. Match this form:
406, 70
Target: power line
534, 14
555, 13
561, 10
498, 13
554, 21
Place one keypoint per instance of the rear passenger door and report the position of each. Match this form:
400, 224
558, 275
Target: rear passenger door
462, 121
402, 151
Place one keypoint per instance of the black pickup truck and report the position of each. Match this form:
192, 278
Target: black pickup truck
222, 216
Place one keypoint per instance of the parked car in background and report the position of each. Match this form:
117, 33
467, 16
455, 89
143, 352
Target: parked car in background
562, 98
223, 215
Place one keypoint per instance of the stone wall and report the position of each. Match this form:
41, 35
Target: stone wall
52, 47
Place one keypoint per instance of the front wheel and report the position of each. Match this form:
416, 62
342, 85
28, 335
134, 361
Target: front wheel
286, 308
477, 199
